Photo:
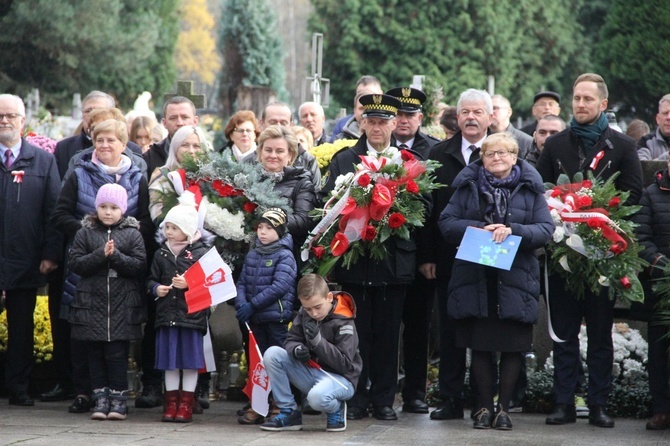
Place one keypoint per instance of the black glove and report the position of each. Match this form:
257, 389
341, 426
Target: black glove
311, 328
301, 353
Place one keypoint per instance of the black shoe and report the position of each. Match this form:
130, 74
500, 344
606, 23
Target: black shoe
243, 410
598, 417
384, 413
152, 396
58, 393
451, 410
562, 414
21, 399
81, 404
482, 419
202, 395
356, 413
415, 406
502, 421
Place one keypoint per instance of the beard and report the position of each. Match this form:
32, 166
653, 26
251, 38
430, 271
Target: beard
9, 136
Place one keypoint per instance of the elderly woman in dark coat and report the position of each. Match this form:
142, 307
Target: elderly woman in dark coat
653, 233
495, 309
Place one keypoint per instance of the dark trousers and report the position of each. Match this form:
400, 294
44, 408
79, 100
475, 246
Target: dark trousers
150, 376
267, 335
81, 377
416, 317
378, 318
658, 367
451, 376
20, 306
60, 331
108, 364
567, 312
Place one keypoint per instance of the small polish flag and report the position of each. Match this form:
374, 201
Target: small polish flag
210, 282
258, 383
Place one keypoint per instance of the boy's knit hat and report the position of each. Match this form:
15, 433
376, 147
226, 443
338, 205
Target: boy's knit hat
112, 193
184, 215
276, 218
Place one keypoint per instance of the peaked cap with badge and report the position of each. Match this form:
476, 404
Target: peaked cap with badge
411, 99
379, 106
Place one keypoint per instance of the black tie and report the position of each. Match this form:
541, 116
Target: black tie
403, 146
474, 156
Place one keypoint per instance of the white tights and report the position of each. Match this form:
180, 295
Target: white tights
189, 379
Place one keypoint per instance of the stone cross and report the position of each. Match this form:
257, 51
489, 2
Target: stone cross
319, 88
185, 88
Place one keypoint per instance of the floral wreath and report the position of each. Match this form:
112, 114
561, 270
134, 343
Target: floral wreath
381, 199
592, 246
230, 198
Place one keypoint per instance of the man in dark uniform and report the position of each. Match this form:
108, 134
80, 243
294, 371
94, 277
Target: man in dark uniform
435, 257
589, 144
378, 287
420, 295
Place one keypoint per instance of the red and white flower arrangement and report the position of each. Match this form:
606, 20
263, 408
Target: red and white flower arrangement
592, 244
380, 199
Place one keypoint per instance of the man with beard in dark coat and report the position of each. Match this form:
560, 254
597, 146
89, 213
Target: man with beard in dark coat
589, 144
30, 248
420, 296
378, 287
435, 257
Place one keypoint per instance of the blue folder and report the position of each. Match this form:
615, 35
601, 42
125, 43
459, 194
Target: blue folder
478, 246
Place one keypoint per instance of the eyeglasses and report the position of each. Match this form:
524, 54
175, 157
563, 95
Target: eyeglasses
9, 116
500, 153
479, 112
242, 131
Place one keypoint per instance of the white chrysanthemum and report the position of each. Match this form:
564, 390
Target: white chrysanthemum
223, 223
556, 216
343, 179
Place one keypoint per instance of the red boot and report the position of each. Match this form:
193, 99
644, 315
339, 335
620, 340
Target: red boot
170, 406
185, 411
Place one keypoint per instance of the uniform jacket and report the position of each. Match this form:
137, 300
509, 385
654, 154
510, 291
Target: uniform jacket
109, 304
171, 309
564, 153
421, 145
399, 266
528, 216
653, 233
26, 234
653, 147
337, 349
268, 281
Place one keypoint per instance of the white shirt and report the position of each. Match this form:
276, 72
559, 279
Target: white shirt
466, 150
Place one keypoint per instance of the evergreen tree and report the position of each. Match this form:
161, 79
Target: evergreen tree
634, 55
251, 49
122, 47
526, 44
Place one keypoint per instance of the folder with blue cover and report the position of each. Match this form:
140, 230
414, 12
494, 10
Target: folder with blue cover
478, 246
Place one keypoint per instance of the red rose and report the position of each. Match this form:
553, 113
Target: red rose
625, 282
614, 202
369, 233
364, 180
396, 220
585, 201
318, 251
406, 156
587, 184
249, 207
412, 187
339, 245
555, 193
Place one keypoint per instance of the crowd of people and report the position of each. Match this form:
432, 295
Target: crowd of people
91, 220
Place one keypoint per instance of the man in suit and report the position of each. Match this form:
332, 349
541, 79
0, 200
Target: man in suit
30, 248
435, 257
500, 122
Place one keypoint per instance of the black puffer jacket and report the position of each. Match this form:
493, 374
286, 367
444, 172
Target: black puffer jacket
653, 233
171, 310
108, 305
298, 189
